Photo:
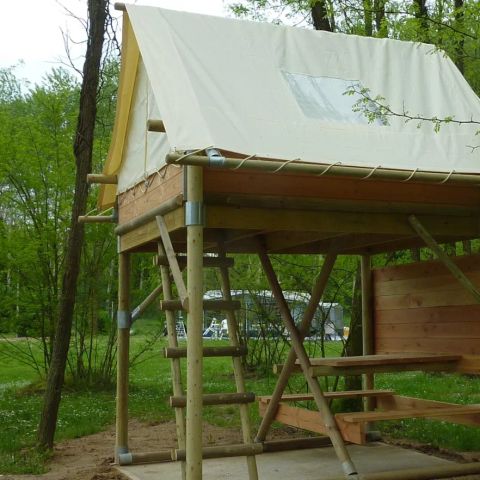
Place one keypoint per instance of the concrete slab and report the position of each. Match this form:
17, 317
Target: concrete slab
312, 464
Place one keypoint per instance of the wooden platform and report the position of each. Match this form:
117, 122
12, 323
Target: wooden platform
303, 213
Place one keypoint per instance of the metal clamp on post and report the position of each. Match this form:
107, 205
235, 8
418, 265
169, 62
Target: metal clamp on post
123, 319
215, 158
194, 213
125, 458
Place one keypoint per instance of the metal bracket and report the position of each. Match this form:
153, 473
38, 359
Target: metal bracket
194, 213
123, 319
215, 158
125, 458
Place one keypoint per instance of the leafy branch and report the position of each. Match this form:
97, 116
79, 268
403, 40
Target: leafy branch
375, 108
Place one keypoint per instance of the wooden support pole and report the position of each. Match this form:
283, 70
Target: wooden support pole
423, 473
195, 322
367, 325
289, 366
222, 451
237, 362
175, 366
443, 257
97, 219
216, 399
229, 351
172, 260
101, 178
155, 126
259, 164
149, 457
297, 343
285, 444
123, 340
136, 312
146, 217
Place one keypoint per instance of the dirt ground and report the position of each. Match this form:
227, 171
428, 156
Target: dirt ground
90, 458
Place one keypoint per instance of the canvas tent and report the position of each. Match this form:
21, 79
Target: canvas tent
279, 92
294, 169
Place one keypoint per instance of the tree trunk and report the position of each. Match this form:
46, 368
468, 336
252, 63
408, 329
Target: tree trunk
83, 146
320, 16
368, 17
459, 61
421, 13
380, 23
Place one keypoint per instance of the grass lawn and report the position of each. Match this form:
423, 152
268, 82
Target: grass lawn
85, 412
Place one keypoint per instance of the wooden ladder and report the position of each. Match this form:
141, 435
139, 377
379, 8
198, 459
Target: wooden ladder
171, 266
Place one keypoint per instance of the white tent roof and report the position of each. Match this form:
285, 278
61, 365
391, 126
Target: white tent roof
278, 92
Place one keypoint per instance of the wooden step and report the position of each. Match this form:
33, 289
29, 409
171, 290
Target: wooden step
408, 413
298, 397
221, 451
216, 399
339, 366
181, 352
208, 262
391, 359
211, 305
312, 421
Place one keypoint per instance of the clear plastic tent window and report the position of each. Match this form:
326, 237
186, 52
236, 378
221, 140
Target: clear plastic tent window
325, 98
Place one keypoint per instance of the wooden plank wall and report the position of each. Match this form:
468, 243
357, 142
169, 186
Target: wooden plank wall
159, 187
421, 307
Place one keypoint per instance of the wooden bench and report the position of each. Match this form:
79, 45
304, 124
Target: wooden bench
399, 362
389, 406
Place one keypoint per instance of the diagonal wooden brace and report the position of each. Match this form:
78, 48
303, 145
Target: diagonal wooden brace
173, 262
289, 366
297, 343
443, 257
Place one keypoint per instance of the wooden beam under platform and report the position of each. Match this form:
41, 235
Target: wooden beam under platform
303, 231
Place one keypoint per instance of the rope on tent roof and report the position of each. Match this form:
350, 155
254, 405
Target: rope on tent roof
411, 175
328, 168
285, 164
243, 161
191, 153
324, 172
371, 173
447, 178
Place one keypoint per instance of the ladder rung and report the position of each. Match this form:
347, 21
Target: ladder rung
213, 305
216, 399
181, 352
235, 450
208, 262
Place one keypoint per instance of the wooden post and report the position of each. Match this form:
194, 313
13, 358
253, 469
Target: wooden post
237, 364
367, 325
317, 292
123, 339
443, 257
297, 343
194, 224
